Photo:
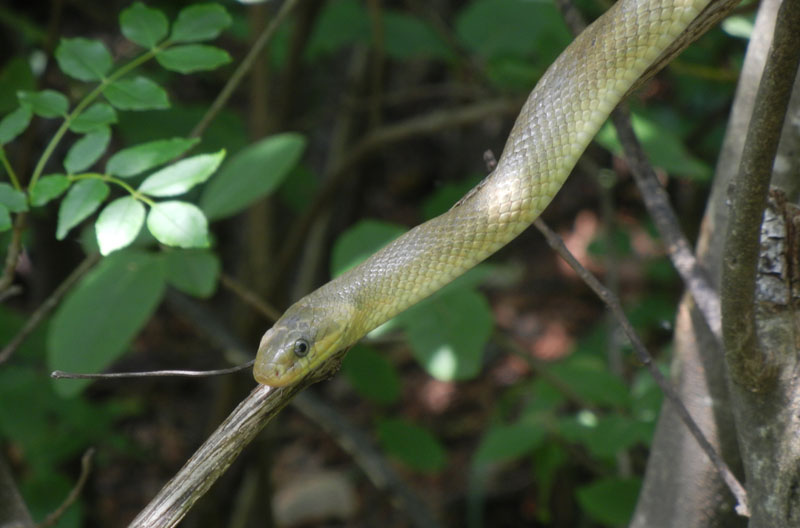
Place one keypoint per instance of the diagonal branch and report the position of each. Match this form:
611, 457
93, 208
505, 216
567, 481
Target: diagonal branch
47, 306
223, 446
657, 202
613, 304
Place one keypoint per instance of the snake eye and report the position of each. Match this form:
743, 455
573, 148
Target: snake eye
301, 348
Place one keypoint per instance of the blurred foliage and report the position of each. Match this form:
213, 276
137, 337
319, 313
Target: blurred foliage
119, 133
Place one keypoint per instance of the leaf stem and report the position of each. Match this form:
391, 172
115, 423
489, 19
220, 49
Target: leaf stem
9, 169
81, 106
111, 179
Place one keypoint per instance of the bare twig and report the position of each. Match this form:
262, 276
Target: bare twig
749, 364
86, 468
47, 306
349, 438
60, 374
13, 510
11, 291
615, 306
214, 457
255, 302
657, 202
14, 251
244, 67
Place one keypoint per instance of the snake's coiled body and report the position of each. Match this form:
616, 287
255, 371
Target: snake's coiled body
559, 119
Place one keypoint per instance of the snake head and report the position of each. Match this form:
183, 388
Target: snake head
305, 336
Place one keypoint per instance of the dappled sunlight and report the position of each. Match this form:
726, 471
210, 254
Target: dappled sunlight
444, 362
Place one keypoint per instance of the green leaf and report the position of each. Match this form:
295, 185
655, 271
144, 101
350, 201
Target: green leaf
413, 445
143, 25
647, 398
14, 200
118, 224
83, 59
372, 375
508, 442
592, 381
47, 188
610, 500
178, 224
82, 200
664, 148
200, 22
136, 94
5, 218
608, 435
87, 150
137, 159
181, 176
16, 76
448, 333
99, 115
299, 188
14, 124
443, 198
192, 57
251, 174
361, 241
47, 103
495, 28
407, 37
97, 320
740, 26
192, 271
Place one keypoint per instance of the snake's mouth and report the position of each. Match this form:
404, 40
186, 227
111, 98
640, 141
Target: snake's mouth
275, 374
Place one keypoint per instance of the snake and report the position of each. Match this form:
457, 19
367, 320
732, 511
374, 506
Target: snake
571, 101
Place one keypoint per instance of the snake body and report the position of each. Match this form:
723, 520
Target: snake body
557, 122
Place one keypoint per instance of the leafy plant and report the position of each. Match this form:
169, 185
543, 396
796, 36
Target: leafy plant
173, 223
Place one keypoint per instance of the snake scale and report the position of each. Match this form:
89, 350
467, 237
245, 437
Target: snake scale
575, 96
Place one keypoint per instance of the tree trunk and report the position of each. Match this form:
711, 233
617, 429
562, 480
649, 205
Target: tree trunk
758, 434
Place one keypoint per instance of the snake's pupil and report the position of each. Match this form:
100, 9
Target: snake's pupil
300, 348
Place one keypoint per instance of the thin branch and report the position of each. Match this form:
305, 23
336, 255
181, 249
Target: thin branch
14, 251
749, 364
60, 374
657, 202
214, 457
615, 306
252, 300
11, 291
47, 306
13, 510
346, 435
86, 468
243, 68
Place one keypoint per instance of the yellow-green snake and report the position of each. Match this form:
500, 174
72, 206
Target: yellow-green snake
557, 122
